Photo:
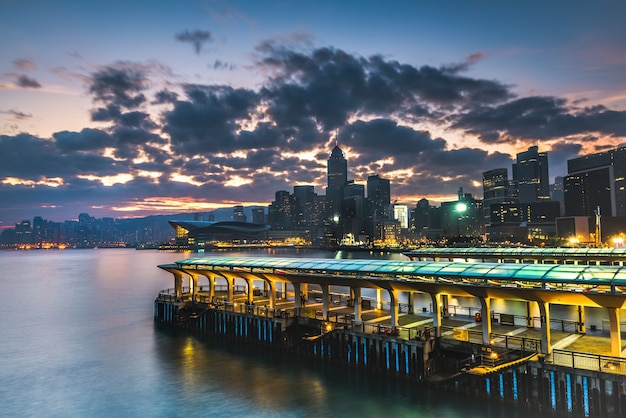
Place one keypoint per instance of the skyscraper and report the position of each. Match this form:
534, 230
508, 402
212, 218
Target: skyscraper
596, 180
530, 173
378, 196
337, 179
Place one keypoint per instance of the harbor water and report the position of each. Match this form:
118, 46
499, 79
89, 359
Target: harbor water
77, 338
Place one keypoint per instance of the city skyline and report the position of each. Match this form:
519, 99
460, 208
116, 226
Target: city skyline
125, 112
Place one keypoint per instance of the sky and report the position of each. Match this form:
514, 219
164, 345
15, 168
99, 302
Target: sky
130, 108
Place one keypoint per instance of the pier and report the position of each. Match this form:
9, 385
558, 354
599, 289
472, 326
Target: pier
395, 317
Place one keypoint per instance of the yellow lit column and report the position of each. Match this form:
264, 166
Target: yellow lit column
544, 311
356, 299
379, 298
529, 317
271, 286
485, 313
231, 288
178, 284
305, 291
616, 339
250, 284
211, 287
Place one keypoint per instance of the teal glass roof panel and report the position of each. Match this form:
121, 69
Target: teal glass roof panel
429, 268
561, 272
503, 270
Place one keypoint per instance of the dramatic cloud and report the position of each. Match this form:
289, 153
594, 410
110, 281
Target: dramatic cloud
197, 38
120, 85
27, 82
539, 118
210, 143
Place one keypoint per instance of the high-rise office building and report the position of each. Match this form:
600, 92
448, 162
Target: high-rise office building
337, 169
238, 214
378, 196
596, 180
531, 176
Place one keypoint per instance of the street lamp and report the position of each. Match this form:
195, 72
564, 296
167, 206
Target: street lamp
460, 208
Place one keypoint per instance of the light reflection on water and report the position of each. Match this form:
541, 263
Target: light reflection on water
77, 339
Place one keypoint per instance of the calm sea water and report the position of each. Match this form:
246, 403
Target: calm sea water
77, 338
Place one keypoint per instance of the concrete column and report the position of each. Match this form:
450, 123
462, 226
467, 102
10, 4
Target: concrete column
529, 316
178, 284
250, 284
271, 286
410, 296
325, 300
444, 306
616, 339
305, 290
544, 311
580, 327
393, 307
379, 299
265, 287
211, 288
193, 287
485, 317
297, 296
436, 298
230, 285
356, 298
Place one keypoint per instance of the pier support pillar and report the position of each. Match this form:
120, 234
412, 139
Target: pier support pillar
410, 296
298, 296
379, 298
444, 306
436, 298
271, 286
325, 299
230, 284
529, 316
178, 284
393, 306
356, 298
485, 313
544, 311
250, 284
580, 325
616, 339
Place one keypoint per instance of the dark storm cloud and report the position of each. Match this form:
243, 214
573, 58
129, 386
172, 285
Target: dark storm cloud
165, 96
331, 85
207, 121
538, 117
86, 140
28, 157
197, 38
27, 82
120, 85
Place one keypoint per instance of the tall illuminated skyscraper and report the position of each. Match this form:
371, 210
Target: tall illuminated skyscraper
337, 180
530, 173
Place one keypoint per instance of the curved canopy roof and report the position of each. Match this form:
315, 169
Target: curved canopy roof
407, 270
228, 226
483, 252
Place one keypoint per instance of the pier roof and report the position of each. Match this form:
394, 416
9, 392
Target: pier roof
399, 270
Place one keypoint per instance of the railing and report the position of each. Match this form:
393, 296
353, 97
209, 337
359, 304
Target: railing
588, 361
511, 342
